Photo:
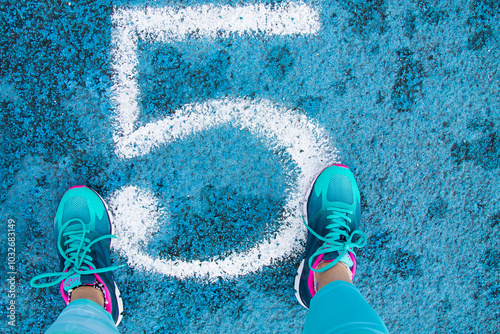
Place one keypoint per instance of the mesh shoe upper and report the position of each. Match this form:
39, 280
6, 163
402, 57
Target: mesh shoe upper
333, 216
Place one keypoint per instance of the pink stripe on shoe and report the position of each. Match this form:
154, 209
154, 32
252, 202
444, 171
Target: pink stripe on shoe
340, 165
353, 270
310, 280
63, 293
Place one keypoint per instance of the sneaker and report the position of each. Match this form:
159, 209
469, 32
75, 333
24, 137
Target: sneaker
333, 213
83, 233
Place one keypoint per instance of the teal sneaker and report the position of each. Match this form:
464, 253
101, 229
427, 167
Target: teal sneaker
83, 232
333, 214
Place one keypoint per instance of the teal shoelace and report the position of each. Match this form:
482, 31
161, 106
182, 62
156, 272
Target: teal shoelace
339, 220
77, 255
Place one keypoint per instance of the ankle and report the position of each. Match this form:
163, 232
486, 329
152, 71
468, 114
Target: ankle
339, 272
88, 292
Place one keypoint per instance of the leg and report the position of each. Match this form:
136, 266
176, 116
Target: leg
83, 316
339, 307
324, 281
83, 233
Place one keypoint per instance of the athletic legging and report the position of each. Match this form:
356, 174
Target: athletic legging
337, 308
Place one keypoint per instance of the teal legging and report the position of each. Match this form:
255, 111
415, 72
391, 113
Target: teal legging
338, 307
83, 316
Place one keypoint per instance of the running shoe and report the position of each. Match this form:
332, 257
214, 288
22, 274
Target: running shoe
83, 233
333, 213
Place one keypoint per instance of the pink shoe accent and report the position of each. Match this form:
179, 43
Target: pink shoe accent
79, 186
107, 305
63, 293
310, 279
353, 270
340, 165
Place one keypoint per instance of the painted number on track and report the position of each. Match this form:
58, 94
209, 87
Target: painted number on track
137, 209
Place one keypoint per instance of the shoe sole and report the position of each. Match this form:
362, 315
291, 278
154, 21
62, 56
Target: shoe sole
111, 224
304, 214
297, 284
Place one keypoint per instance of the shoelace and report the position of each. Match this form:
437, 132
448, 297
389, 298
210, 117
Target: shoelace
77, 256
338, 227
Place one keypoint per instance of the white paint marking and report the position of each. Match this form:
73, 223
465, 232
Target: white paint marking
208, 21
137, 209
303, 139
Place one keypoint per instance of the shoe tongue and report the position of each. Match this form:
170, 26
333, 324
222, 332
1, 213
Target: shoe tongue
77, 280
88, 279
330, 256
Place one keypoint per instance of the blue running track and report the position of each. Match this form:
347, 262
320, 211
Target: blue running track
208, 130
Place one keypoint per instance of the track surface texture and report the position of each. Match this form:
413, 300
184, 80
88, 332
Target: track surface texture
406, 93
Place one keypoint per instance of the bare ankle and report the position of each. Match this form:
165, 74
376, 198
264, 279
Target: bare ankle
88, 292
339, 272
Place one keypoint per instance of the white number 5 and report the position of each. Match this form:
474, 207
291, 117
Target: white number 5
136, 209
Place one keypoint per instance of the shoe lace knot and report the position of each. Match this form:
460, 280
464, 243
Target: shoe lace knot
76, 254
339, 238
